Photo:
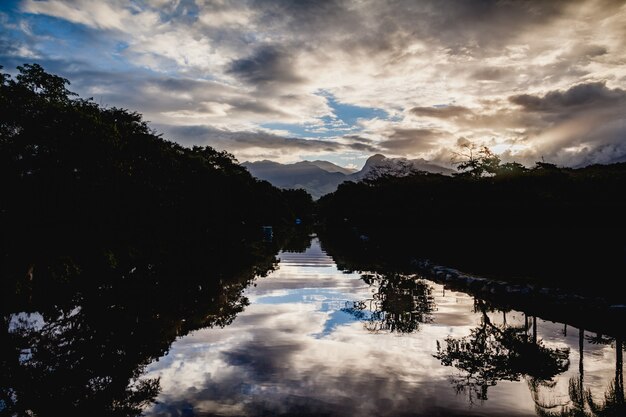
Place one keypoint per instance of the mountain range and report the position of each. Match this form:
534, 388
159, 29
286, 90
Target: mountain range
323, 177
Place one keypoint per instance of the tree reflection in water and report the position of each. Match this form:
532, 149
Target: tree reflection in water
399, 304
581, 402
77, 331
498, 352
491, 353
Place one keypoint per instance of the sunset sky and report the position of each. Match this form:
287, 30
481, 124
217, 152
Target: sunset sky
342, 80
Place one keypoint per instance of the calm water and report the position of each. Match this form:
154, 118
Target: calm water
317, 341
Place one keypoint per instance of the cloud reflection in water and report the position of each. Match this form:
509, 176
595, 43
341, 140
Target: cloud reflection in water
295, 351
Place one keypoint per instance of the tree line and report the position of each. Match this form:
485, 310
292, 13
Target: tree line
70, 168
119, 241
558, 225
69, 165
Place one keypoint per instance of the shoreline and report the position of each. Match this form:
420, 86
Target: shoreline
594, 314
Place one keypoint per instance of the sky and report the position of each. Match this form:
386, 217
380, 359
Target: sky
291, 80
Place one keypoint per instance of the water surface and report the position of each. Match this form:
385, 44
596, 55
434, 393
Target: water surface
317, 341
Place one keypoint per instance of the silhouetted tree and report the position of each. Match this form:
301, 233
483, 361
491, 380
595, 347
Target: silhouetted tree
68, 163
555, 224
120, 241
476, 161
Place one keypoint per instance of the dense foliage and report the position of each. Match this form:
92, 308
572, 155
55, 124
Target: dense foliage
117, 242
79, 324
543, 197
559, 225
68, 164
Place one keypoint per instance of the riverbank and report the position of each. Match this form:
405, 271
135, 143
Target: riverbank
564, 279
590, 312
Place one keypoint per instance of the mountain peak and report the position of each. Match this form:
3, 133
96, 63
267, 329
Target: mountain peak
375, 158
323, 177
330, 167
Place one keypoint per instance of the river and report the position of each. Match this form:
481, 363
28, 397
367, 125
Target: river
315, 340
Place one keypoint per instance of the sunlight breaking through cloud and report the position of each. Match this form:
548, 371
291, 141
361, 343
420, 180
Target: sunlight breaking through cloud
530, 79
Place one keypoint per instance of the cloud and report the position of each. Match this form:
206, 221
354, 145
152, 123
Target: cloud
391, 25
490, 73
96, 14
580, 97
410, 141
170, 100
257, 145
581, 125
237, 140
540, 75
443, 112
268, 65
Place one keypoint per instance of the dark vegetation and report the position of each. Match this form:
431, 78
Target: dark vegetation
486, 196
102, 313
71, 166
496, 349
71, 169
122, 241
560, 226
119, 241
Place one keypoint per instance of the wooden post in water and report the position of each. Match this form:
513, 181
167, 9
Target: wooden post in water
581, 351
619, 371
525, 323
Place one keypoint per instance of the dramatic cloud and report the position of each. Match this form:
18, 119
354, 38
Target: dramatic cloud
582, 97
242, 139
582, 125
268, 65
410, 140
528, 78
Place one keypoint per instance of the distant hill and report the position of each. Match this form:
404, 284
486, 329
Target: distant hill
323, 177
330, 167
307, 175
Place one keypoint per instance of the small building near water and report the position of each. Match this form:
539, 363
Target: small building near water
268, 233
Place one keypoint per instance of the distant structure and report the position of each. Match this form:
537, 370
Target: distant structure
268, 233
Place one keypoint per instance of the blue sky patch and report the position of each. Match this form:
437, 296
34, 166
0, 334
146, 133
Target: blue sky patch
350, 114
346, 117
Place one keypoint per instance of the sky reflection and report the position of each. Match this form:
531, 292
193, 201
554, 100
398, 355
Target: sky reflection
295, 350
